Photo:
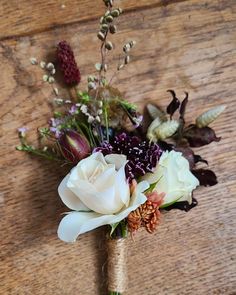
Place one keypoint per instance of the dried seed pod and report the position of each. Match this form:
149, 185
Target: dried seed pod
109, 19
109, 45
108, 2
98, 66
115, 13
45, 78
120, 67
113, 29
132, 43
53, 71
151, 134
102, 20
107, 13
104, 27
127, 59
50, 66
56, 91
101, 36
166, 129
51, 80
126, 48
155, 112
33, 61
42, 64
208, 117
91, 85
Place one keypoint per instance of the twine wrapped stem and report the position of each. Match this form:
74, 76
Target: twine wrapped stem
117, 263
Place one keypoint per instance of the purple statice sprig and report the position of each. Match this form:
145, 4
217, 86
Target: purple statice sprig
142, 155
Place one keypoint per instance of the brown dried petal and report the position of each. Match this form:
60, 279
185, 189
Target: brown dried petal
205, 177
198, 137
174, 105
183, 106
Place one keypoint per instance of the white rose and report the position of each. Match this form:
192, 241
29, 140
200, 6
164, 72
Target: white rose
98, 190
174, 178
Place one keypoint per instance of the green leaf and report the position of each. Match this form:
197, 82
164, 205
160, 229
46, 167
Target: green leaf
113, 227
127, 105
19, 148
152, 186
57, 114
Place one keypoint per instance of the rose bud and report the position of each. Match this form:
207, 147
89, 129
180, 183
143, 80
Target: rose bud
74, 146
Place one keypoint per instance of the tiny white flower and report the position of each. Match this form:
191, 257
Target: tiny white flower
84, 109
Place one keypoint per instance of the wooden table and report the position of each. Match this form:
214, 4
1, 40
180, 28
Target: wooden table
182, 45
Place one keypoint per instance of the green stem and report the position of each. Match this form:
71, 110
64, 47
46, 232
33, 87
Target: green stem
114, 293
31, 150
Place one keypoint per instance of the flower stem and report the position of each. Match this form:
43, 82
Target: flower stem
114, 293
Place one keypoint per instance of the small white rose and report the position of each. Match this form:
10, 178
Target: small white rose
98, 190
174, 178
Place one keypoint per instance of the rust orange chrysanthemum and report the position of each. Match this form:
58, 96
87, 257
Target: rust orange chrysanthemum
147, 215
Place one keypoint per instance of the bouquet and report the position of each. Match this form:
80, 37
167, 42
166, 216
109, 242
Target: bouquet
126, 168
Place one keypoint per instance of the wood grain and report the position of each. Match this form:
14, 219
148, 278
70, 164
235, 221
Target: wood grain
187, 46
23, 18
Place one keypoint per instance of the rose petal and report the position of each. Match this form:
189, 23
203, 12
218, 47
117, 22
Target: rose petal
104, 202
69, 198
76, 223
121, 186
117, 160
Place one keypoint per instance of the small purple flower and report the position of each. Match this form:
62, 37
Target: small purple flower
22, 131
55, 122
56, 131
73, 110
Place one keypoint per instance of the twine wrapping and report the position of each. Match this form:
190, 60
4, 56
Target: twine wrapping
117, 265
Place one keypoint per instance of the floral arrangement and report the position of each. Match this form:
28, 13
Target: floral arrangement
123, 174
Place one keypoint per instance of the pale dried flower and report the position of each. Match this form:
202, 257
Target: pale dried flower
33, 61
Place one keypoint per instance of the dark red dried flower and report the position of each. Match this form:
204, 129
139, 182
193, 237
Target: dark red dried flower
66, 59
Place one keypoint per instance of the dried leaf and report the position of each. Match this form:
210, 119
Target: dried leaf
205, 177
183, 106
198, 158
208, 117
200, 136
188, 154
165, 146
155, 112
174, 105
185, 206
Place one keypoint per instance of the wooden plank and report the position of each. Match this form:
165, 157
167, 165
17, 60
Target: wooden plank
23, 18
190, 47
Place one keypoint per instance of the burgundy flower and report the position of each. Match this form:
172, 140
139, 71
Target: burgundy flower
142, 155
68, 64
74, 146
